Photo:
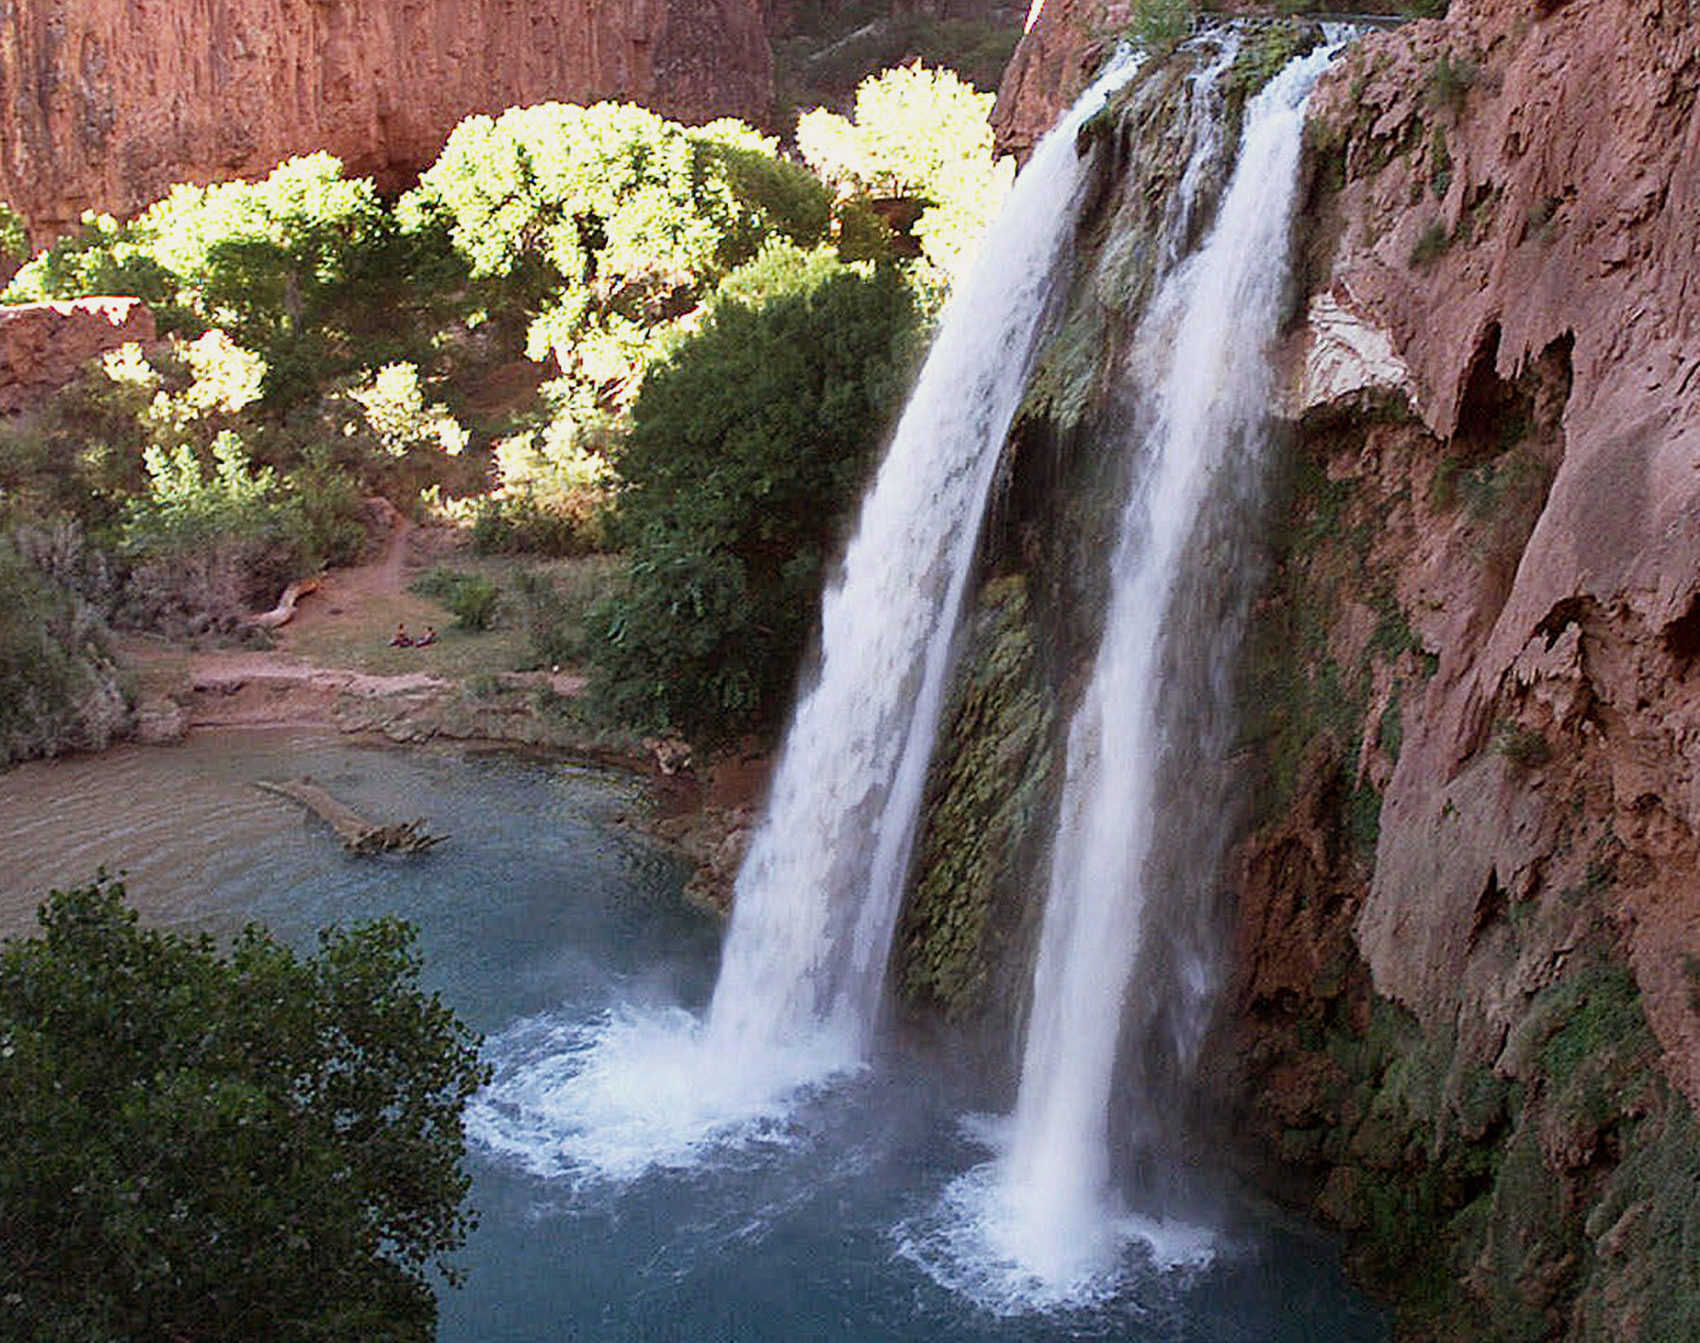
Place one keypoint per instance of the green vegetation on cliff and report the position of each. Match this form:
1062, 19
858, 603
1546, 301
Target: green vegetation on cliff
985, 803
1547, 1194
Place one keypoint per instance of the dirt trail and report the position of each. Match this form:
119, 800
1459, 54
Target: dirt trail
320, 654
357, 588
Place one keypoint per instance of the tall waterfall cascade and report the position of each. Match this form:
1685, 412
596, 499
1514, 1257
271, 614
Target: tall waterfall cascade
818, 895
804, 958
1043, 1223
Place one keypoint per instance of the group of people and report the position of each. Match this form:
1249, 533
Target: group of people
403, 639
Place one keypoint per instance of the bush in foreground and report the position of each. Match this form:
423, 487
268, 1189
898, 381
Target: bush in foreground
201, 1146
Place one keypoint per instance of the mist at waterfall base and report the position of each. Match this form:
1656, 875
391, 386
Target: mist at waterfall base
543, 908
1043, 1223
802, 969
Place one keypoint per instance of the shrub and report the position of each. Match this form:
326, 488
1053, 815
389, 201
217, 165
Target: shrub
59, 688
205, 547
749, 445
1450, 78
473, 602
324, 515
1522, 746
680, 648
471, 598
202, 1145
552, 497
1159, 25
1431, 245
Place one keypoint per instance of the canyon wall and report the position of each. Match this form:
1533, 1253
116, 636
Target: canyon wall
108, 102
1065, 41
1463, 1018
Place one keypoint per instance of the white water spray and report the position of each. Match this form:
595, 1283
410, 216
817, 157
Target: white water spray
1046, 1219
817, 898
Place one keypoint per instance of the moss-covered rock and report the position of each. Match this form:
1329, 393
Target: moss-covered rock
985, 806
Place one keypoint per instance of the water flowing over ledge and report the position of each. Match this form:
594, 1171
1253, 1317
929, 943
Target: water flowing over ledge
803, 966
1043, 1224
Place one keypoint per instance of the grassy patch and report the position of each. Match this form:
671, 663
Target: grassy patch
1430, 246
1449, 80
1522, 746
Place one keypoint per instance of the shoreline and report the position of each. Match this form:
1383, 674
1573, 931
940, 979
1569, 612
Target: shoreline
702, 811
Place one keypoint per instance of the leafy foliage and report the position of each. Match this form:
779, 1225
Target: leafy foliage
201, 1146
748, 446
288, 266
923, 134
680, 644
551, 497
607, 223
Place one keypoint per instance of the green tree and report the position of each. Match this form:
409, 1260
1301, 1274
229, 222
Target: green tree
922, 134
607, 224
749, 443
208, 1147
304, 267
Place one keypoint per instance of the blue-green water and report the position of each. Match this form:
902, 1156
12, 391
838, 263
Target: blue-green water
543, 918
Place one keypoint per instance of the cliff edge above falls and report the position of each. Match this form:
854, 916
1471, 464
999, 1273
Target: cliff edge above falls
1052, 64
108, 103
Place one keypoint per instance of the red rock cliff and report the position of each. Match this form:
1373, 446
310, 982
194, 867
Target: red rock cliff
1483, 874
1517, 203
1051, 65
108, 102
1522, 185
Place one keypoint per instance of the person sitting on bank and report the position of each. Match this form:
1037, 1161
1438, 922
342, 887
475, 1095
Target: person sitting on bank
401, 639
427, 638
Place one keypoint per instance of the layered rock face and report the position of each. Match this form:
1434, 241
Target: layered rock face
1541, 199
1464, 1015
1051, 66
111, 101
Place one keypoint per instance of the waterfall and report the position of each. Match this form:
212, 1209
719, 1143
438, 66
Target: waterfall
817, 897
803, 961
1046, 1225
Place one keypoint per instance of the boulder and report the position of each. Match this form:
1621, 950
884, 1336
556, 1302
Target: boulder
44, 346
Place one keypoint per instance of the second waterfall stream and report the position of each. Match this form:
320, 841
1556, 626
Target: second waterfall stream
1136, 848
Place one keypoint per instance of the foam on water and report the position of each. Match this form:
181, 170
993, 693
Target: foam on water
633, 1089
977, 1241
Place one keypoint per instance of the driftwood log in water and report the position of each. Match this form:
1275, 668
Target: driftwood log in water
357, 833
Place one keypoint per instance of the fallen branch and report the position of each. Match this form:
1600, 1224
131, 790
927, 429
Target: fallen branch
285, 608
358, 835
